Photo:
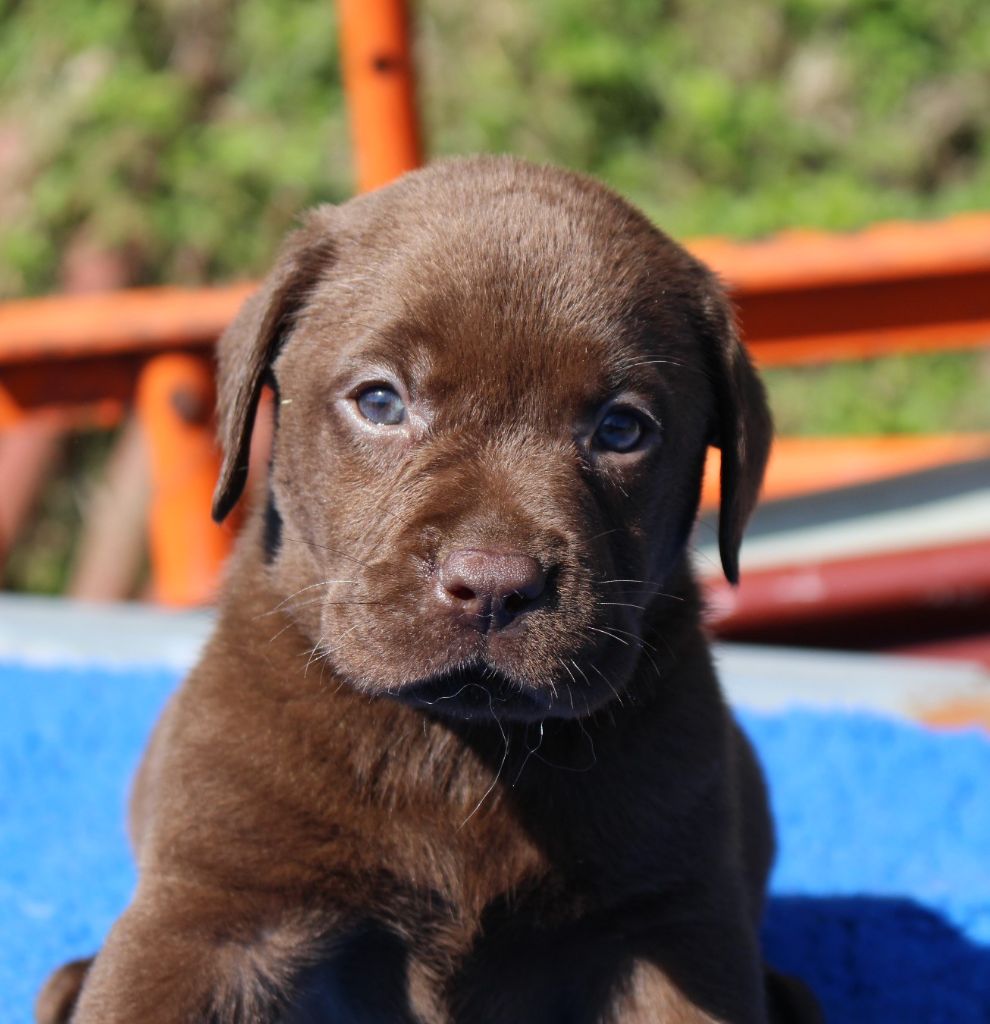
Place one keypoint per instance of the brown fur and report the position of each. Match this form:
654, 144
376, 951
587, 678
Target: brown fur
363, 807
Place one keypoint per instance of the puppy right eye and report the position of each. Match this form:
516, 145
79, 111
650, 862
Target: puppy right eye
382, 405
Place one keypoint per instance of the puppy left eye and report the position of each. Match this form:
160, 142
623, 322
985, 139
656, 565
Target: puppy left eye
382, 405
619, 431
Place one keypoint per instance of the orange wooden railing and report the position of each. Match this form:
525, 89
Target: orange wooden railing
802, 298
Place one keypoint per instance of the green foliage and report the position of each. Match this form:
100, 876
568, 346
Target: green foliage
735, 119
896, 395
185, 134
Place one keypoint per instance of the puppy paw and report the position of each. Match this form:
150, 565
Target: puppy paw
57, 998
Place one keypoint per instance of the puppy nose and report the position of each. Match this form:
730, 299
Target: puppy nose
494, 587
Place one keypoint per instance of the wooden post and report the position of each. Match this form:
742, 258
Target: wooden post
175, 407
378, 82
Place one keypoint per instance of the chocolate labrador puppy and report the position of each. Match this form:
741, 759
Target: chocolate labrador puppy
456, 753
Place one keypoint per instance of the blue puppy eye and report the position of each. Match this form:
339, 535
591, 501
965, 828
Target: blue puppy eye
381, 405
619, 431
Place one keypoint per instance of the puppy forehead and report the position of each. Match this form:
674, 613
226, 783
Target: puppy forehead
500, 330
507, 291
471, 347
514, 320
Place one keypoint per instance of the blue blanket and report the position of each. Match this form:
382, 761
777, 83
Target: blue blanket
881, 891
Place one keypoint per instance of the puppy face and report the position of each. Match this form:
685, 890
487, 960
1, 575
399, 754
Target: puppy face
496, 386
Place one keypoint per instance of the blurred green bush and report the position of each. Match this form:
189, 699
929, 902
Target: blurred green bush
183, 135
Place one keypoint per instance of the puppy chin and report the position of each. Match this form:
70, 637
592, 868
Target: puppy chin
480, 693
472, 677
475, 693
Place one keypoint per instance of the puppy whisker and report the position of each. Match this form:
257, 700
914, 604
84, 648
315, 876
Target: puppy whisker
324, 547
530, 751
275, 636
604, 533
568, 671
498, 774
300, 605
606, 632
336, 644
608, 683
301, 590
580, 671
452, 696
656, 667
635, 639
591, 743
646, 586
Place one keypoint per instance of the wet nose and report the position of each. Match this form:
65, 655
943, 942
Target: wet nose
493, 588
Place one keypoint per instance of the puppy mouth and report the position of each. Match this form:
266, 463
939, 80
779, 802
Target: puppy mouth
475, 691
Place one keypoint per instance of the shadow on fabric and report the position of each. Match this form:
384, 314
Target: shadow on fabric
879, 961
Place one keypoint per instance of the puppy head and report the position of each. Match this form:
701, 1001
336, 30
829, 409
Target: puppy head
496, 385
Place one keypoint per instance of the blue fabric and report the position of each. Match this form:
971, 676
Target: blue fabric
882, 888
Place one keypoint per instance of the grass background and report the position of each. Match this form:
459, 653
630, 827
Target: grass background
149, 141
184, 135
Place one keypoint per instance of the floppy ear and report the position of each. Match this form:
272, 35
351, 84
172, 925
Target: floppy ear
743, 428
251, 342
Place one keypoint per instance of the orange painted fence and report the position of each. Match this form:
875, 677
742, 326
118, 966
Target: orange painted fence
805, 296
802, 298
